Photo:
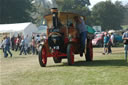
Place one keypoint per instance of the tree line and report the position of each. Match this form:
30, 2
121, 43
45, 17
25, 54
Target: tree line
15, 11
105, 13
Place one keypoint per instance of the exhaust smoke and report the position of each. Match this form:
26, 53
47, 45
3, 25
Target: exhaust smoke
49, 4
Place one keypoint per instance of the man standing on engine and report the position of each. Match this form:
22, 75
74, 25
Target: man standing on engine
82, 29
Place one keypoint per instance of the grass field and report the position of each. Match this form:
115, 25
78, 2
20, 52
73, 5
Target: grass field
104, 70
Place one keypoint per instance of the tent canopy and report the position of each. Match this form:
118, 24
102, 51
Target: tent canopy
17, 27
26, 29
111, 31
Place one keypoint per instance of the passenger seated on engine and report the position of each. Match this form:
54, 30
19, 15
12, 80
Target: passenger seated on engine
72, 31
62, 30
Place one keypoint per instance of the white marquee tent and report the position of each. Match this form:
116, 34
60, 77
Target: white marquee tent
18, 28
25, 28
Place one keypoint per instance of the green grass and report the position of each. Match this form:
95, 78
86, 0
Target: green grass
104, 70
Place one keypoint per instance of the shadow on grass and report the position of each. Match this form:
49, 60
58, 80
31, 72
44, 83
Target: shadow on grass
96, 63
14, 57
118, 53
102, 63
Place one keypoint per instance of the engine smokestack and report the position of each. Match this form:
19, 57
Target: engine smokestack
51, 4
54, 12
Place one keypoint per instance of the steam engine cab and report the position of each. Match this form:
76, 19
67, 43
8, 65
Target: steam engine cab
62, 39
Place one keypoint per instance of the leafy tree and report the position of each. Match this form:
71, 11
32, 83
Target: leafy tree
75, 6
125, 20
39, 13
108, 15
82, 2
15, 11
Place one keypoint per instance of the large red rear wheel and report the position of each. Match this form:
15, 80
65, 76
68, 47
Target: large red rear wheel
42, 56
89, 51
70, 54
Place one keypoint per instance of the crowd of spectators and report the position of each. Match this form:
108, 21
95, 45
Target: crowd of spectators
22, 44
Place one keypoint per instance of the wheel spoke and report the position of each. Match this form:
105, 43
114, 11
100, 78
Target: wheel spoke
72, 56
44, 60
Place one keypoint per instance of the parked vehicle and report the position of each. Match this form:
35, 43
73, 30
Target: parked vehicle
98, 40
117, 39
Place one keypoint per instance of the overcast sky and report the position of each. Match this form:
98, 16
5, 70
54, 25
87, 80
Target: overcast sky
93, 2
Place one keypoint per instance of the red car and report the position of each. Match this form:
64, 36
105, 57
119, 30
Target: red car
98, 40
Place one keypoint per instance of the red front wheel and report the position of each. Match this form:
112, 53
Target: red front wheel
70, 54
42, 56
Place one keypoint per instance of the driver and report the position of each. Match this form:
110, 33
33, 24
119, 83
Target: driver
82, 30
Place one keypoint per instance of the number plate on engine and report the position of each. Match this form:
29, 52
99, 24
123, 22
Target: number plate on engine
56, 47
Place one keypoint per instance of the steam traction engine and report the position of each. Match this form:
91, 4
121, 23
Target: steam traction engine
62, 39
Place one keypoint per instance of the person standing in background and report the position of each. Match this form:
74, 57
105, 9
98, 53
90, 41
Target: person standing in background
18, 42
33, 43
106, 40
37, 38
13, 42
112, 39
109, 44
7, 47
26, 44
22, 46
125, 41
3, 47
